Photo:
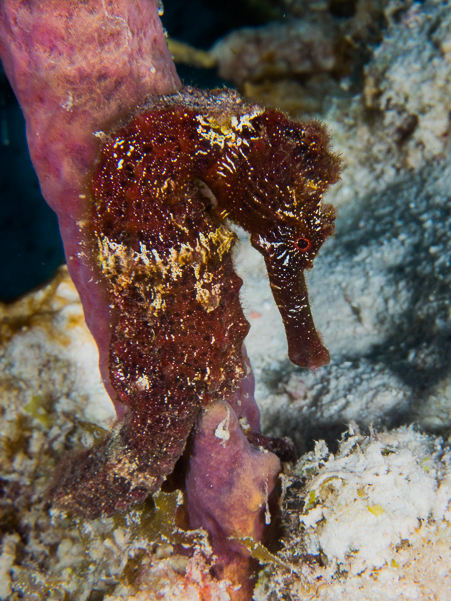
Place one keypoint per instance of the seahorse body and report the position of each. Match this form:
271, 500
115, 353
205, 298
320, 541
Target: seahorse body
165, 185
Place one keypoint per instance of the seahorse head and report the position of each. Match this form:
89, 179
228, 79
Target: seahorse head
276, 173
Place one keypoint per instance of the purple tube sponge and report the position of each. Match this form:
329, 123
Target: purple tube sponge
76, 68
228, 488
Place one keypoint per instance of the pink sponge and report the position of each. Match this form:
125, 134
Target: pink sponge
228, 488
77, 67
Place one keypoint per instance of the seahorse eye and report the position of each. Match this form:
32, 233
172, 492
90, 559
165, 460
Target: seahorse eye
303, 244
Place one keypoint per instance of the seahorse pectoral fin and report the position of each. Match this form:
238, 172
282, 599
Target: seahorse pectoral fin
289, 289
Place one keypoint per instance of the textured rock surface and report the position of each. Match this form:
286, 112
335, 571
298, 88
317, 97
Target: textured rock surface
372, 522
279, 49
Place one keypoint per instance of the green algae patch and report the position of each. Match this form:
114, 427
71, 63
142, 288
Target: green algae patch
37, 411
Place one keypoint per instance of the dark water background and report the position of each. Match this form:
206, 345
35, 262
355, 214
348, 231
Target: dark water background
30, 244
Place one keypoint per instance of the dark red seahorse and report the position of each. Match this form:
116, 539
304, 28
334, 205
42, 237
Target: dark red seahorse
166, 184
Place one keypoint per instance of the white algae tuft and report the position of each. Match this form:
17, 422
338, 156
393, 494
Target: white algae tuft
371, 522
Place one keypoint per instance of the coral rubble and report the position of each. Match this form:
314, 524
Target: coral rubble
371, 522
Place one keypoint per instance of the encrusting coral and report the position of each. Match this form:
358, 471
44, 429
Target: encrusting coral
143, 222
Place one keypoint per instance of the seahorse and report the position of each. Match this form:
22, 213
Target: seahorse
167, 184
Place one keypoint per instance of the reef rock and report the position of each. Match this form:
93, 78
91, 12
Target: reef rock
372, 522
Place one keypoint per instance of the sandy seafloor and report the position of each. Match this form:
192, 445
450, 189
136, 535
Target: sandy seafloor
373, 516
